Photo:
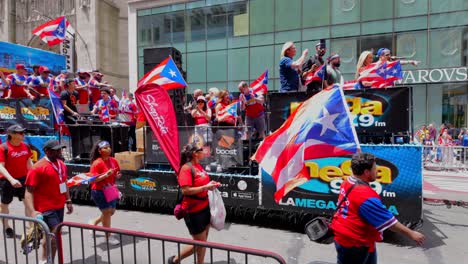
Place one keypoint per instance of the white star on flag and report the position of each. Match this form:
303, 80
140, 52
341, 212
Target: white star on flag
172, 73
327, 121
60, 30
394, 71
382, 70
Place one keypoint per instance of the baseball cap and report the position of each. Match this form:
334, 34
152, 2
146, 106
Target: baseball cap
201, 98
15, 128
321, 44
43, 69
20, 66
53, 144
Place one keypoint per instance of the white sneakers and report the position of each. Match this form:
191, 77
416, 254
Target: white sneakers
114, 241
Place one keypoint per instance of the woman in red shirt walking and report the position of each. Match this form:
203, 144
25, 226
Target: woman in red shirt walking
108, 169
195, 190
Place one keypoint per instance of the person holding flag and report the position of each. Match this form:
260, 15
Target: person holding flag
252, 104
226, 111
106, 107
311, 66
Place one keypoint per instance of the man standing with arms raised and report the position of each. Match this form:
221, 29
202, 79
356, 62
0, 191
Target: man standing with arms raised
15, 161
289, 69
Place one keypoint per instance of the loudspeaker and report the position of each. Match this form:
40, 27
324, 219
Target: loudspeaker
152, 57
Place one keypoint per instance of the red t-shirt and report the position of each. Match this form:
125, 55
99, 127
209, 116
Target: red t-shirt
252, 108
95, 91
101, 166
46, 182
17, 161
83, 94
200, 119
201, 178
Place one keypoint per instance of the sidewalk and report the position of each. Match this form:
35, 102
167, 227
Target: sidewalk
445, 184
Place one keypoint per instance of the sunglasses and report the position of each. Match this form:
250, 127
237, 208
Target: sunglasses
199, 150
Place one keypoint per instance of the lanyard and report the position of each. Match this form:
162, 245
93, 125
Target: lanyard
59, 169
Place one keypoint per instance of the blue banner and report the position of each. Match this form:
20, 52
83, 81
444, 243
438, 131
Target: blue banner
12, 54
399, 183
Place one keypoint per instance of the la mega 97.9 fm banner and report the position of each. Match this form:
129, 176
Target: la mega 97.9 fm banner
372, 110
399, 183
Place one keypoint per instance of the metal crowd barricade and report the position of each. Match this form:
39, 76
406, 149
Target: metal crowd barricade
141, 247
445, 158
13, 252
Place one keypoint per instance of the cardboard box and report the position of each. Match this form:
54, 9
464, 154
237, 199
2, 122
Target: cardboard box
140, 144
130, 160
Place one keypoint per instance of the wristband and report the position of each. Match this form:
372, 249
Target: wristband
68, 201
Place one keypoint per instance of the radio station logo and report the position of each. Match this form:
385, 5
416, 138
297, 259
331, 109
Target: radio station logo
37, 113
327, 175
368, 112
143, 184
7, 112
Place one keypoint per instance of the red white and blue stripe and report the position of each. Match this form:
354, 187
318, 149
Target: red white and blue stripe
53, 32
166, 75
382, 74
320, 127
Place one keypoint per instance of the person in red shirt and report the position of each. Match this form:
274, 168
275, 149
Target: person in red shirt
107, 169
195, 196
252, 104
17, 84
47, 192
82, 87
39, 85
95, 86
128, 115
360, 222
14, 167
201, 114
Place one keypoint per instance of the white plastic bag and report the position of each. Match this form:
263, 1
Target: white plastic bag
218, 212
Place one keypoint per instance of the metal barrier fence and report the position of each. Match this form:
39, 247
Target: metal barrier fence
17, 252
140, 247
454, 158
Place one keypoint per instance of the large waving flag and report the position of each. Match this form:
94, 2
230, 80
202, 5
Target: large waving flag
382, 75
156, 105
52, 32
260, 85
320, 127
166, 75
82, 178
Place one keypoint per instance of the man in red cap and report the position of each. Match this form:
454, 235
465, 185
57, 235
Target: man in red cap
95, 85
39, 85
18, 85
82, 87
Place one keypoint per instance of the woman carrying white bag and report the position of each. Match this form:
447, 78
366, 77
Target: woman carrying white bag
217, 209
194, 183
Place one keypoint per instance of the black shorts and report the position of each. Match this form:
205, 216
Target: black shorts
198, 221
53, 218
8, 191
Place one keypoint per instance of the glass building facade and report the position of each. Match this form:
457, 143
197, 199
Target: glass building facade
224, 42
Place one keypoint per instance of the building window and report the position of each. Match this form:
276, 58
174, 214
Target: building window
446, 48
375, 42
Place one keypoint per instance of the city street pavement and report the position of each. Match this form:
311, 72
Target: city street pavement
442, 184
446, 231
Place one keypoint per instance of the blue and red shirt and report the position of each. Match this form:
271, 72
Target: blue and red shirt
253, 109
17, 85
83, 95
94, 90
39, 84
362, 218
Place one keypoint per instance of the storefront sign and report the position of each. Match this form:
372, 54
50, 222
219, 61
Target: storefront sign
435, 75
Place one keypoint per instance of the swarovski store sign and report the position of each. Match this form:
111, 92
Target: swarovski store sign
435, 75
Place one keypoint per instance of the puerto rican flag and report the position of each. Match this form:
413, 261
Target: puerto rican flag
52, 32
320, 127
82, 178
260, 85
382, 74
166, 75
351, 85
318, 75
229, 113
